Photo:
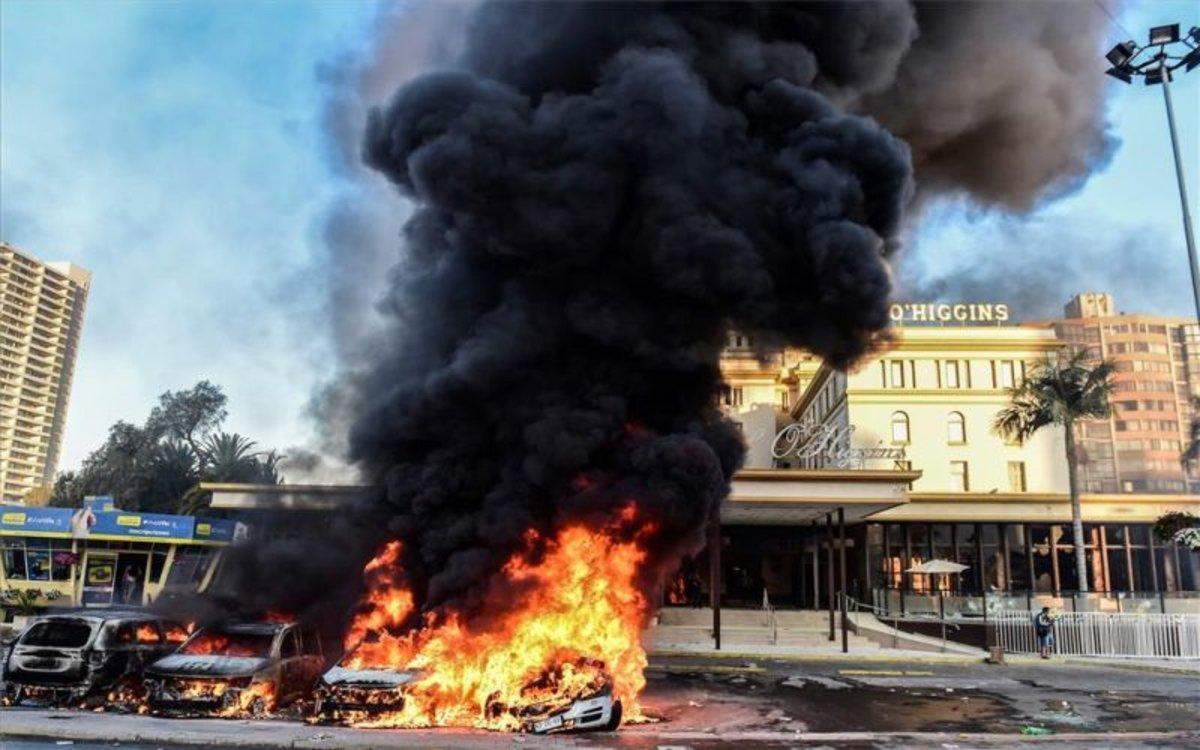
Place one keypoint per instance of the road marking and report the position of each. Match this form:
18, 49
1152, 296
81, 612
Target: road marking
886, 672
703, 668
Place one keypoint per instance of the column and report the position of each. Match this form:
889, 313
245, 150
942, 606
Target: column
714, 577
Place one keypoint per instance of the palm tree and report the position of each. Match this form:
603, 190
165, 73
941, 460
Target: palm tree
228, 457
1061, 390
1191, 453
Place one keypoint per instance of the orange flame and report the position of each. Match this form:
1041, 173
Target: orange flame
566, 626
677, 592
147, 634
217, 643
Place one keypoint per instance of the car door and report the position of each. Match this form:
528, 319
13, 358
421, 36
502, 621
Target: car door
314, 658
291, 664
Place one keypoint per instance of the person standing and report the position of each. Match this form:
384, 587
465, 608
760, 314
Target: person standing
129, 586
1043, 627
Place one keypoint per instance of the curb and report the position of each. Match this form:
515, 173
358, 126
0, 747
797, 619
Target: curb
1190, 669
948, 658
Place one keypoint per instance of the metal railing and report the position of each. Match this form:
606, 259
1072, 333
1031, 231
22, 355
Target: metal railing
772, 618
1160, 636
968, 606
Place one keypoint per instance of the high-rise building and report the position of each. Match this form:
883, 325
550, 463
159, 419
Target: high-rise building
41, 317
1157, 360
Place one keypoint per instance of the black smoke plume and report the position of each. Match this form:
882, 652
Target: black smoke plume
599, 193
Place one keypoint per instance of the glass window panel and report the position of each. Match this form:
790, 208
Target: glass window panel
956, 428
1018, 563
1118, 573
14, 563
959, 479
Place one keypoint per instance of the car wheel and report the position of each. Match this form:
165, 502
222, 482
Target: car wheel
614, 719
258, 707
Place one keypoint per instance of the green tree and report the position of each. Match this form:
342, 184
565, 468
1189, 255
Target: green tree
1061, 390
150, 467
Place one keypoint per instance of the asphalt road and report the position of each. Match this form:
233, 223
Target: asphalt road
705, 702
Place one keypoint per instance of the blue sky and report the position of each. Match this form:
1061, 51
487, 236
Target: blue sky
177, 150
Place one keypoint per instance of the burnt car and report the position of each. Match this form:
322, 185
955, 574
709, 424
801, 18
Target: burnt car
346, 695
236, 669
77, 656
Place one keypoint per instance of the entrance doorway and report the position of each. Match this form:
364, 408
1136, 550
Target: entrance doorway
131, 578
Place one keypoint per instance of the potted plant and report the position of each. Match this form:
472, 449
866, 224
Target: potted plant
24, 603
1180, 528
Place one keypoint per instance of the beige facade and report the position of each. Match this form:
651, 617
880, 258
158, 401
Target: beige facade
927, 405
41, 318
1157, 359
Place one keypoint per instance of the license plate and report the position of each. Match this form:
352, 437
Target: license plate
554, 722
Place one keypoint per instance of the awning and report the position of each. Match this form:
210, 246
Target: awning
798, 496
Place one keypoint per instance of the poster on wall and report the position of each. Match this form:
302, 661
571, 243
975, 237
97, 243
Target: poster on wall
99, 578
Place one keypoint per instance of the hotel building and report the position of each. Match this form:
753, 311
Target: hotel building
1138, 449
41, 317
925, 408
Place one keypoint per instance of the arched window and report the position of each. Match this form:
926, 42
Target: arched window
899, 427
956, 428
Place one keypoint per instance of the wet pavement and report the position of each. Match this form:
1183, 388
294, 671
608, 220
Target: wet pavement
705, 702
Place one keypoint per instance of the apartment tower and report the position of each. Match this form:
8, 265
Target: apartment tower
41, 317
1157, 360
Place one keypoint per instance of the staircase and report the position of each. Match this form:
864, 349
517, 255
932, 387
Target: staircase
684, 628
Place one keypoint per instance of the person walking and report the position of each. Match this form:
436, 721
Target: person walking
1043, 627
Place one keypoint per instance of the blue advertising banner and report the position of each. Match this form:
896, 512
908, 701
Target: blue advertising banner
99, 502
144, 525
18, 519
214, 530
85, 523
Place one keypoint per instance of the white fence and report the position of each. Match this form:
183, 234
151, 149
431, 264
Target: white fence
1103, 634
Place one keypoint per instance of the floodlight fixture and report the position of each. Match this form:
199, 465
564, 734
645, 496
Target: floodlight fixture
1168, 34
1156, 63
1121, 74
1121, 54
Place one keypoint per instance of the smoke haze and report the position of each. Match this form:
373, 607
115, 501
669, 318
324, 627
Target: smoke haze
593, 194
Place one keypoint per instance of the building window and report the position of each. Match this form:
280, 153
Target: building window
899, 427
732, 396
1016, 476
1007, 374
896, 373
959, 481
783, 400
952, 375
956, 428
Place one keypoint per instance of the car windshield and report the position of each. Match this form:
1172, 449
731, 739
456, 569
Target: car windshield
225, 643
58, 634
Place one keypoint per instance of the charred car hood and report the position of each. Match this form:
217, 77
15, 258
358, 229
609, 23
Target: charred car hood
207, 665
368, 678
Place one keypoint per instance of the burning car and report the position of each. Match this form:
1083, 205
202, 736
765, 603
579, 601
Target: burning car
71, 657
236, 669
370, 696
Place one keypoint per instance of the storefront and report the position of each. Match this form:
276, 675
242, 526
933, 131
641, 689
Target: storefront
98, 556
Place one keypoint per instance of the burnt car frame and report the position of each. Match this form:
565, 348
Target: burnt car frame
236, 668
344, 695
74, 656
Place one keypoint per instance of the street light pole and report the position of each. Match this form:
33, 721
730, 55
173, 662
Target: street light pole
1156, 63
1183, 199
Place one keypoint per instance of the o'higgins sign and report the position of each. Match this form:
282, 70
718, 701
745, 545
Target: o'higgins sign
829, 444
941, 313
